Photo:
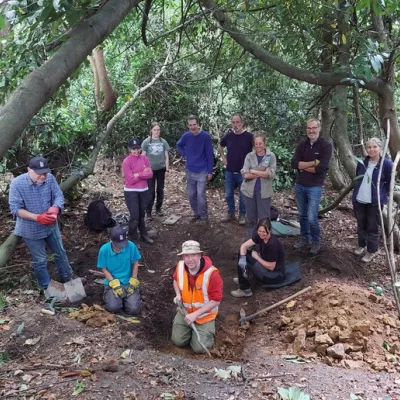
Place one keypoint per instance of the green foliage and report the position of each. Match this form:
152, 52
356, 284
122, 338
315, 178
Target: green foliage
79, 388
3, 357
292, 393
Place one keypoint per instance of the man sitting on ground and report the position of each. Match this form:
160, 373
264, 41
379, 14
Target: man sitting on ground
199, 287
119, 261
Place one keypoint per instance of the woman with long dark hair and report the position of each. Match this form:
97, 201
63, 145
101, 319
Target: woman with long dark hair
156, 149
267, 265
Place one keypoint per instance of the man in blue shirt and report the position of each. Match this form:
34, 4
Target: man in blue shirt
196, 146
35, 201
119, 261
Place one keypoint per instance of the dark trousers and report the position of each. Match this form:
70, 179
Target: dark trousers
367, 217
136, 203
158, 180
260, 273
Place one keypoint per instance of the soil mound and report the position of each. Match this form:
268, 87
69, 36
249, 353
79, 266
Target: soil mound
343, 325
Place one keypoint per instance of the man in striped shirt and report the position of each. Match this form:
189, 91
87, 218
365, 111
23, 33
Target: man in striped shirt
35, 201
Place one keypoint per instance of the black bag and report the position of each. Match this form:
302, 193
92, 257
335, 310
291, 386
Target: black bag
98, 216
274, 213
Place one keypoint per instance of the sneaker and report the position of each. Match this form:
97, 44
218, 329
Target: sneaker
236, 280
368, 257
242, 293
242, 219
301, 244
359, 251
228, 217
159, 213
146, 238
315, 248
194, 218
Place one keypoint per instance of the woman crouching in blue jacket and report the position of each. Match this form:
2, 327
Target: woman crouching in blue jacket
365, 198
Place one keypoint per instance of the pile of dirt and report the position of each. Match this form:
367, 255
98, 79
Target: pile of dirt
93, 316
343, 325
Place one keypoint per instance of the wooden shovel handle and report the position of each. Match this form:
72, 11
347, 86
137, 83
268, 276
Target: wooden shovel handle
279, 303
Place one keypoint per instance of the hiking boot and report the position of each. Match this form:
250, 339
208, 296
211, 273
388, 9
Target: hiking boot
149, 217
242, 219
159, 213
203, 221
74, 276
236, 280
228, 217
358, 251
302, 244
368, 257
242, 293
194, 218
146, 238
315, 248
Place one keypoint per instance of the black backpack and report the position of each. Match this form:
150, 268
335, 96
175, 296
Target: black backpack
98, 216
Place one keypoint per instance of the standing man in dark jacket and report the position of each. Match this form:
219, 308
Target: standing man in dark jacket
238, 143
196, 147
311, 159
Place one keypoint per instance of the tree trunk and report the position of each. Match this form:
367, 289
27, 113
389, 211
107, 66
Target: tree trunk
96, 81
37, 88
360, 130
8, 247
109, 96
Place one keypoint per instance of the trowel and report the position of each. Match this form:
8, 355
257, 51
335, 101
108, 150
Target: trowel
68, 292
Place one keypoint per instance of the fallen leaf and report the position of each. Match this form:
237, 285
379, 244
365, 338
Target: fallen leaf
4, 327
27, 378
291, 304
23, 388
20, 329
33, 341
125, 353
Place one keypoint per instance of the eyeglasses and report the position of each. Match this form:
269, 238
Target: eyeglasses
312, 128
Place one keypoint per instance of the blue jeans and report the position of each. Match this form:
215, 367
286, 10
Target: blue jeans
37, 248
308, 199
234, 180
196, 189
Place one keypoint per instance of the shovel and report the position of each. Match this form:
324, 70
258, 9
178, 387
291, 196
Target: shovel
71, 291
193, 326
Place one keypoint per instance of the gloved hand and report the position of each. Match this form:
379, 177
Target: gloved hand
177, 298
132, 285
242, 262
46, 218
116, 287
53, 210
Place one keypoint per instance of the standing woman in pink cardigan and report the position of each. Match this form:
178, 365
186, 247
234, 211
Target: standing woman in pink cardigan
136, 169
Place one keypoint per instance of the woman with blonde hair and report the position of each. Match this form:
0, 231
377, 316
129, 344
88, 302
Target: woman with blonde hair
365, 198
257, 188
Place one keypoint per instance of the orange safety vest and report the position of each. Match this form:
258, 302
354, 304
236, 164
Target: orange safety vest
195, 298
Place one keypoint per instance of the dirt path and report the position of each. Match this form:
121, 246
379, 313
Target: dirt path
156, 367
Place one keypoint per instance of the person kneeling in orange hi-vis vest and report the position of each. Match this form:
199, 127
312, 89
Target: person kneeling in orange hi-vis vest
199, 287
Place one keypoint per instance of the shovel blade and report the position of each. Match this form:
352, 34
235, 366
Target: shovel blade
74, 290
57, 290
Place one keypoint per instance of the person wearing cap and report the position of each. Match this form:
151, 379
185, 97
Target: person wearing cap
119, 261
35, 201
196, 147
137, 171
199, 288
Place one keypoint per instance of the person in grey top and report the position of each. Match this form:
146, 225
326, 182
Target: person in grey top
257, 188
156, 149
35, 201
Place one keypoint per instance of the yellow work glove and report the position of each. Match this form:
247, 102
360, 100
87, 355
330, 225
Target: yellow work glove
115, 285
316, 162
132, 285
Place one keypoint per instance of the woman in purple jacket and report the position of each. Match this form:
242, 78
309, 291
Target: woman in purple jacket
136, 169
365, 198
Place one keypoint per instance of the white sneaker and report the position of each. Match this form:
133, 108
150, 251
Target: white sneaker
358, 251
242, 293
236, 280
368, 257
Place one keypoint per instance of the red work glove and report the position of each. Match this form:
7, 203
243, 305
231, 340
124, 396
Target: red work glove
46, 218
53, 210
